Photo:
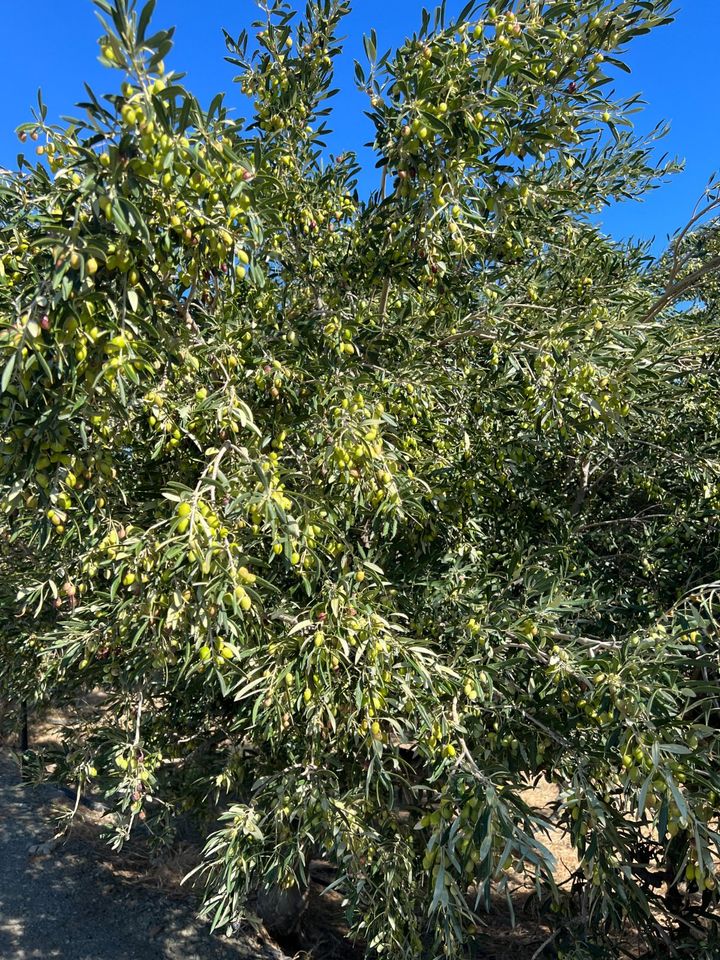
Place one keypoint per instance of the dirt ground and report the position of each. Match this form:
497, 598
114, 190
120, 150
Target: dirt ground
74, 901
78, 900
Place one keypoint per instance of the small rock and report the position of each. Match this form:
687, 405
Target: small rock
43, 849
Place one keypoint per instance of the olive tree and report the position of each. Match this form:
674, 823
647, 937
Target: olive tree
366, 512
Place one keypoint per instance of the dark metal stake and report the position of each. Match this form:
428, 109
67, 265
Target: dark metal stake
24, 734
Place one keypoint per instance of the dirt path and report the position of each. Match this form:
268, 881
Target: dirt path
65, 906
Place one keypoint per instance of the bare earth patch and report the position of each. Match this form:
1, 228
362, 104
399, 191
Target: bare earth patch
78, 901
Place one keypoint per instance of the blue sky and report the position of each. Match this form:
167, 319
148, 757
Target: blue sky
52, 44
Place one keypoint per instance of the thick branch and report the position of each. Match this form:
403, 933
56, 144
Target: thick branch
582, 490
677, 289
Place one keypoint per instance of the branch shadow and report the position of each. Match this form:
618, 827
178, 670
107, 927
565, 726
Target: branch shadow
66, 905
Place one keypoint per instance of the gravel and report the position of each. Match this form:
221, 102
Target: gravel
58, 903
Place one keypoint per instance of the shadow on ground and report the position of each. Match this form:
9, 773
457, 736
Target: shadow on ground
76, 903
66, 906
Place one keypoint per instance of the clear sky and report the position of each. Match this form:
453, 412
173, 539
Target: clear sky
52, 44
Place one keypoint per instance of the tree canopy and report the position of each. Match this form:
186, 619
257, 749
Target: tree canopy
365, 513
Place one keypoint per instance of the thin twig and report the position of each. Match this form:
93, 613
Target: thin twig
697, 215
227, 445
136, 742
546, 943
638, 518
384, 297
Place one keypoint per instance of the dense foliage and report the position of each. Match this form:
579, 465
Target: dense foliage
365, 514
